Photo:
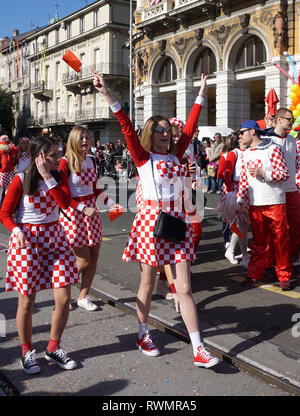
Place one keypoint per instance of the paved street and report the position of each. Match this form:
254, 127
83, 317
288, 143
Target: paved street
255, 325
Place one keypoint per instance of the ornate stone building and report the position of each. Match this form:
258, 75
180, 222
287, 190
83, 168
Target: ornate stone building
51, 96
235, 42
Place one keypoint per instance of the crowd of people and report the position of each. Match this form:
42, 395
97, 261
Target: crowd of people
56, 230
114, 160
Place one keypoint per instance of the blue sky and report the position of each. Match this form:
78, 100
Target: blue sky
22, 14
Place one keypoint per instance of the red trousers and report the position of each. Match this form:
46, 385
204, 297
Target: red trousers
197, 233
266, 221
293, 219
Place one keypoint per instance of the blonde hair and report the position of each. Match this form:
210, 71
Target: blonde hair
147, 133
73, 149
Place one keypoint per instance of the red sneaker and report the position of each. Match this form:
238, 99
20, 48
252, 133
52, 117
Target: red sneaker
204, 359
147, 346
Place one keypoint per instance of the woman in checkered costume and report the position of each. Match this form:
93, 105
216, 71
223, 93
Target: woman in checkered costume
81, 222
230, 169
8, 160
39, 256
151, 252
24, 157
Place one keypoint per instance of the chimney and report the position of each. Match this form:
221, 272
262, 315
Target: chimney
16, 32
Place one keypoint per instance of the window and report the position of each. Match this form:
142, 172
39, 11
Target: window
96, 18
97, 57
205, 63
252, 53
37, 109
69, 30
46, 40
70, 104
57, 106
57, 71
46, 109
47, 84
56, 36
167, 72
25, 102
82, 24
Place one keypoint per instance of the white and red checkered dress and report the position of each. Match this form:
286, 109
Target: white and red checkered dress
80, 229
47, 262
169, 176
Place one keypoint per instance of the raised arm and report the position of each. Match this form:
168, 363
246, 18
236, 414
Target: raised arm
138, 153
192, 121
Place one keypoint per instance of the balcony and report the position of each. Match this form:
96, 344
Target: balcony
93, 114
169, 14
53, 119
75, 81
42, 91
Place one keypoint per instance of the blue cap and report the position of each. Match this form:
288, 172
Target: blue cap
251, 124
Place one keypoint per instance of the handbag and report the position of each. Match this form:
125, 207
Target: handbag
168, 227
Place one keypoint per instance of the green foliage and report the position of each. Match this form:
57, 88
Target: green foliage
6, 112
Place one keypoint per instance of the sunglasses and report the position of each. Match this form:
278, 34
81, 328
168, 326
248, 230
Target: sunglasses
161, 130
290, 119
243, 131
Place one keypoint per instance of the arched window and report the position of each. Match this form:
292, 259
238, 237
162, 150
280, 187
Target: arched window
167, 71
251, 53
205, 63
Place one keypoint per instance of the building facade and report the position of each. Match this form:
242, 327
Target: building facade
52, 96
236, 42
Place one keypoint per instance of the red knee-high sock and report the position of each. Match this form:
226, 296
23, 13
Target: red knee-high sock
53, 345
26, 347
172, 286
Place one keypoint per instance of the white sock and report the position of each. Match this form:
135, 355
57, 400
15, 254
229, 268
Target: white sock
196, 341
143, 328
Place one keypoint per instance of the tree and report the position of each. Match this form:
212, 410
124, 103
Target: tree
7, 120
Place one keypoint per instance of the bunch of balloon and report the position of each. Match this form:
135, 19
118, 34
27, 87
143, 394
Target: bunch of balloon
295, 107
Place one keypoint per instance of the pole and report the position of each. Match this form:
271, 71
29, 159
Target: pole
130, 60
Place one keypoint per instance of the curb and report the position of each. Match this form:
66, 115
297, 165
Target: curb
253, 368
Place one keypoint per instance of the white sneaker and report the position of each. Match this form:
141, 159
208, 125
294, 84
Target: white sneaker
245, 262
87, 304
239, 257
230, 256
227, 245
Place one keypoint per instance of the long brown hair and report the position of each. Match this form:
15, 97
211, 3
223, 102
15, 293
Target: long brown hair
73, 150
147, 134
32, 175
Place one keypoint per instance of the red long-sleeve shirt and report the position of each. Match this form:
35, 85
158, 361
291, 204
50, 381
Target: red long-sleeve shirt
60, 192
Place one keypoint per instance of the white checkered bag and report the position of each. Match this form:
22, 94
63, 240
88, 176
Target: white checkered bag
46, 263
143, 247
81, 230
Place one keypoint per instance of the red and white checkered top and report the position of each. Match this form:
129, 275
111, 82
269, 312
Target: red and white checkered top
271, 160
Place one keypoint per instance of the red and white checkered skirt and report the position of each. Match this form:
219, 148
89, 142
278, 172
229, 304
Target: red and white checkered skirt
81, 230
46, 263
143, 247
6, 178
